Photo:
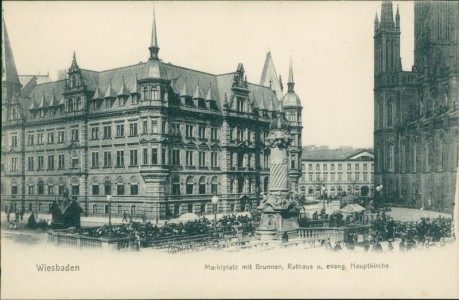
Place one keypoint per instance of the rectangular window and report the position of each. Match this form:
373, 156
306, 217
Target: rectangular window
310, 177
50, 137
107, 132
372, 167
164, 127
317, 167
202, 132
96, 104
60, 137
189, 158
60, 161
75, 163
109, 103
332, 167
340, 177
154, 156
75, 190
41, 164
293, 162
95, 133
120, 158
134, 99
309, 167
214, 159
357, 167
30, 140
340, 167
75, 135
332, 177
365, 176
95, 189
175, 157
50, 190
31, 189
214, 133
325, 177
107, 159
349, 176
133, 157
120, 130
357, 176
40, 138
14, 141
133, 129
154, 126
50, 162
120, 189
145, 127
231, 134
95, 159
365, 167
189, 131
325, 167
134, 189
317, 177
145, 156
30, 163
202, 159
175, 130
349, 167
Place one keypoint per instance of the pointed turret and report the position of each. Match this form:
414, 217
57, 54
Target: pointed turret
11, 85
184, 91
291, 82
43, 103
197, 93
110, 92
135, 89
54, 102
154, 47
397, 18
209, 95
97, 94
74, 67
123, 90
376, 22
269, 76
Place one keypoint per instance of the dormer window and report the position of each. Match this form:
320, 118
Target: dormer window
135, 100
240, 104
42, 113
189, 101
121, 101
96, 104
109, 103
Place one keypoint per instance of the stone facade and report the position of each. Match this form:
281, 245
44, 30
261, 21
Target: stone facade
416, 134
161, 139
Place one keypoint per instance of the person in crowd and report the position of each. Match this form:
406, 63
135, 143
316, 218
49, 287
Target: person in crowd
124, 217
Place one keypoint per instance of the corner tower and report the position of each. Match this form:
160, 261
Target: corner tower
293, 108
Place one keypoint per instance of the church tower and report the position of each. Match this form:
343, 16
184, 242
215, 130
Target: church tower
11, 87
387, 66
269, 77
292, 107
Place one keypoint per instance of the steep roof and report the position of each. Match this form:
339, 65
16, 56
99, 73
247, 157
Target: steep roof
269, 76
39, 79
9, 71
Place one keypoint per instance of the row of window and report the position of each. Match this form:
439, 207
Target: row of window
50, 161
340, 167
349, 177
40, 138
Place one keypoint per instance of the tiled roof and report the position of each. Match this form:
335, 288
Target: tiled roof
110, 92
197, 93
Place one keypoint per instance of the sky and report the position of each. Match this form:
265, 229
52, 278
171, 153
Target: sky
330, 44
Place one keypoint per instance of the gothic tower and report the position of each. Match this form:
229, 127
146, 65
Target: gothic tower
387, 65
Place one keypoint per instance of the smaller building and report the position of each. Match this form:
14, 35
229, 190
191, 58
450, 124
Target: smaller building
330, 172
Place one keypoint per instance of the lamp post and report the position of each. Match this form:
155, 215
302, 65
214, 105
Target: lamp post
215, 203
109, 200
323, 195
379, 189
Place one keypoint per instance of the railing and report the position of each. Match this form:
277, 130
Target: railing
63, 239
321, 233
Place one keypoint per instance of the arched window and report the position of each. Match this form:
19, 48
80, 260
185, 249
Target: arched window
107, 186
175, 183
95, 186
120, 186
214, 185
189, 185
240, 185
232, 186
202, 185
70, 105
389, 114
41, 187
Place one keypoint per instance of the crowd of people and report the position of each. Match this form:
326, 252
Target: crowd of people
148, 233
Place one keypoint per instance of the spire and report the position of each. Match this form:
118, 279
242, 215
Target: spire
269, 76
376, 22
397, 18
387, 17
74, 66
54, 101
9, 71
197, 93
290, 83
154, 48
209, 94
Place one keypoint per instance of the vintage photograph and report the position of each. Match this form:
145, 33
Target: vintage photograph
212, 150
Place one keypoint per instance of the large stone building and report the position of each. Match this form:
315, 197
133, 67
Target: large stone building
330, 172
416, 135
160, 138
